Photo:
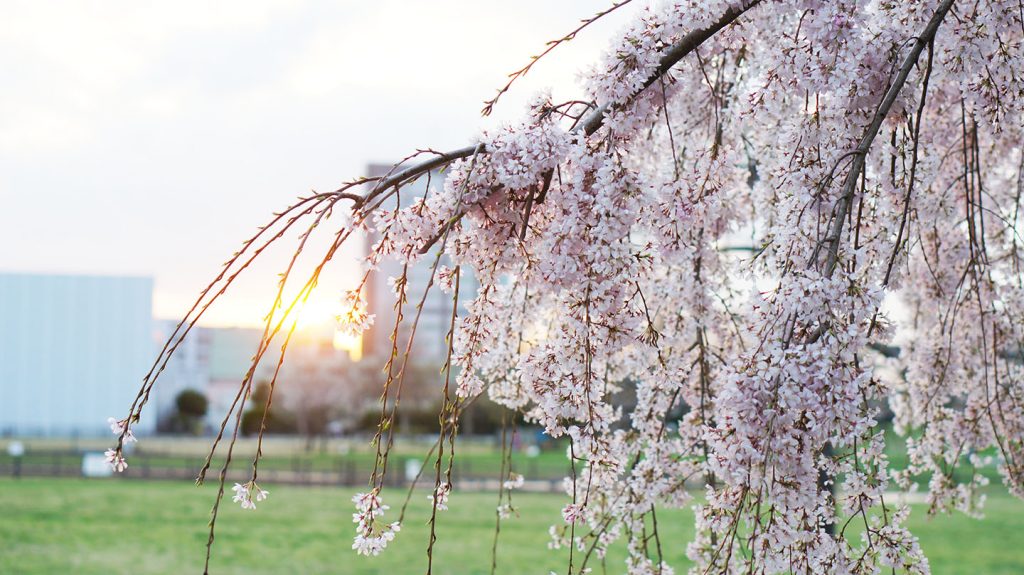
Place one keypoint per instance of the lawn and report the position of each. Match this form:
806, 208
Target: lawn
85, 526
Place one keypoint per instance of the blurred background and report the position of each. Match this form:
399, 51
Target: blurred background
140, 144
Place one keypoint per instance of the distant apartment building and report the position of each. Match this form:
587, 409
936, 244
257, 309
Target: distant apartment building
430, 345
73, 351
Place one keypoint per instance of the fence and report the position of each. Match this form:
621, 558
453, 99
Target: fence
468, 473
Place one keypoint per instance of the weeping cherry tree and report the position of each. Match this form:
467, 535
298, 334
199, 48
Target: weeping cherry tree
869, 155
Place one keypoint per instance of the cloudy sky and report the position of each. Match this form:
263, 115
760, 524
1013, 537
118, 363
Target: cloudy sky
149, 138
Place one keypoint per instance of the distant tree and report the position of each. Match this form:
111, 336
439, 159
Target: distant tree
192, 404
191, 407
321, 386
277, 420
315, 398
419, 399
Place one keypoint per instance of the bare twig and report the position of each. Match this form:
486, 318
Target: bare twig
489, 104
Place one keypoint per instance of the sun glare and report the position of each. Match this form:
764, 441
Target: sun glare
353, 344
316, 313
319, 314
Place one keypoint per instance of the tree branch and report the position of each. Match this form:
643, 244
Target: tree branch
861, 153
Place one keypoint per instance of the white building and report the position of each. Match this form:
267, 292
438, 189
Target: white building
73, 351
212, 361
188, 368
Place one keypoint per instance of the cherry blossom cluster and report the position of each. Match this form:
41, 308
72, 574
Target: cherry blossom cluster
439, 499
372, 533
770, 396
115, 459
115, 456
248, 494
354, 319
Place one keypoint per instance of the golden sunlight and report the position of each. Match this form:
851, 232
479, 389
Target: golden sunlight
319, 314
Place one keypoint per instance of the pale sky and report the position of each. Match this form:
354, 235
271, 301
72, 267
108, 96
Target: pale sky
149, 138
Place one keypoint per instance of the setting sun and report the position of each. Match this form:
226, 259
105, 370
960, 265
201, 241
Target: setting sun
319, 314
316, 312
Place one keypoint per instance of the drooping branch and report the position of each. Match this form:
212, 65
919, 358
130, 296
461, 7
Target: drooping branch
861, 152
672, 56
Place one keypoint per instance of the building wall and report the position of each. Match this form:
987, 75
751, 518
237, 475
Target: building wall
188, 368
73, 351
231, 352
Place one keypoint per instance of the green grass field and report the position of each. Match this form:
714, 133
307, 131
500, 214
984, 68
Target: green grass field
50, 526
